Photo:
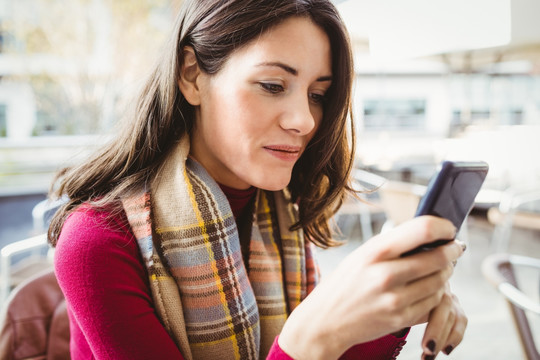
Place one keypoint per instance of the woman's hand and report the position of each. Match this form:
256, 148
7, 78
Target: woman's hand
445, 328
374, 291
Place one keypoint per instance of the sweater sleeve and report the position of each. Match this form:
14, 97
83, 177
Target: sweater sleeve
100, 271
385, 348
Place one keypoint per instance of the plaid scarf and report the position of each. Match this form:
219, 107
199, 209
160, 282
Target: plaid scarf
210, 305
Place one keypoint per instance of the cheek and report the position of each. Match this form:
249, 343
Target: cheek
247, 114
220, 111
231, 126
235, 113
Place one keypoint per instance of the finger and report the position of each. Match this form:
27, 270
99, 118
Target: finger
415, 313
440, 323
420, 265
416, 300
427, 286
409, 235
457, 332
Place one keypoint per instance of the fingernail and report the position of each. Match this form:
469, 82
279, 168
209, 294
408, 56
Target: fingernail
431, 345
462, 244
448, 349
429, 357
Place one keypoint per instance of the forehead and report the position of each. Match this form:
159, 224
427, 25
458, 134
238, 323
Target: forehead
297, 41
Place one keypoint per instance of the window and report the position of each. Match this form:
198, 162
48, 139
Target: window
394, 114
80, 67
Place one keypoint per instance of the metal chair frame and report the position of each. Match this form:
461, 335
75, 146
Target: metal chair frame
509, 214
9, 251
33, 246
499, 269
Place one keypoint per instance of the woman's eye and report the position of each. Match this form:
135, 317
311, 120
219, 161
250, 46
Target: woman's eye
271, 87
317, 98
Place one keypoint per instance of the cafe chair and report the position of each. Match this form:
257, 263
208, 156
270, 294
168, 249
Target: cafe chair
364, 207
33, 254
519, 208
22, 259
400, 200
43, 212
34, 323
500, 270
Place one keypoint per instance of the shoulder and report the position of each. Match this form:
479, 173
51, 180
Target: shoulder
90, 236
90, 226
96, 250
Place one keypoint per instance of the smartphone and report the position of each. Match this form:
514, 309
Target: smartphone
450, 194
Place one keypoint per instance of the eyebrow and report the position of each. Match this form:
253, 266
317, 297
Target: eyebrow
291, 70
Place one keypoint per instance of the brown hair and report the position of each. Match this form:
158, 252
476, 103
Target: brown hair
215, 29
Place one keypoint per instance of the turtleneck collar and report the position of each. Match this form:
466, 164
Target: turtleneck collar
238, 198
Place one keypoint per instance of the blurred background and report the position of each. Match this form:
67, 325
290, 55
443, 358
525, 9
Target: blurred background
435, 80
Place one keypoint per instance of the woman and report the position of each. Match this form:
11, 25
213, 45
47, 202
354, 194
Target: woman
184, 238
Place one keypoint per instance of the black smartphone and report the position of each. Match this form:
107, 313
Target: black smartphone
450, 194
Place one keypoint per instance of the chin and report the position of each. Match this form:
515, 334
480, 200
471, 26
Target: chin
272, 188
274, 185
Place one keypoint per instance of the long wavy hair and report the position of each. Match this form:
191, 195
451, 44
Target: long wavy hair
161, 115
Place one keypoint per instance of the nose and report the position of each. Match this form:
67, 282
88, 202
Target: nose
299, 118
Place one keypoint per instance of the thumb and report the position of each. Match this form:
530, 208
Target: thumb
410, 235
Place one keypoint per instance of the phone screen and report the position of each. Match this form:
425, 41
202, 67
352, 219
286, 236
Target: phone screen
450, 194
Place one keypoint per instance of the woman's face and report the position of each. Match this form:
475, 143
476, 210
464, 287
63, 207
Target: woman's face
259, 112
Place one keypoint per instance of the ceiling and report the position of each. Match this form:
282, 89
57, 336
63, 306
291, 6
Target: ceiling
467, 35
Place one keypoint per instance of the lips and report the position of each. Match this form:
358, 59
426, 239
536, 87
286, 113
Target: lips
284, 152
284, 148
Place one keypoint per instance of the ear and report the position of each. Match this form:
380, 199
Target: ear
189, 74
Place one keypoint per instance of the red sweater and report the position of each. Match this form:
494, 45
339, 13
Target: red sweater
101, 272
